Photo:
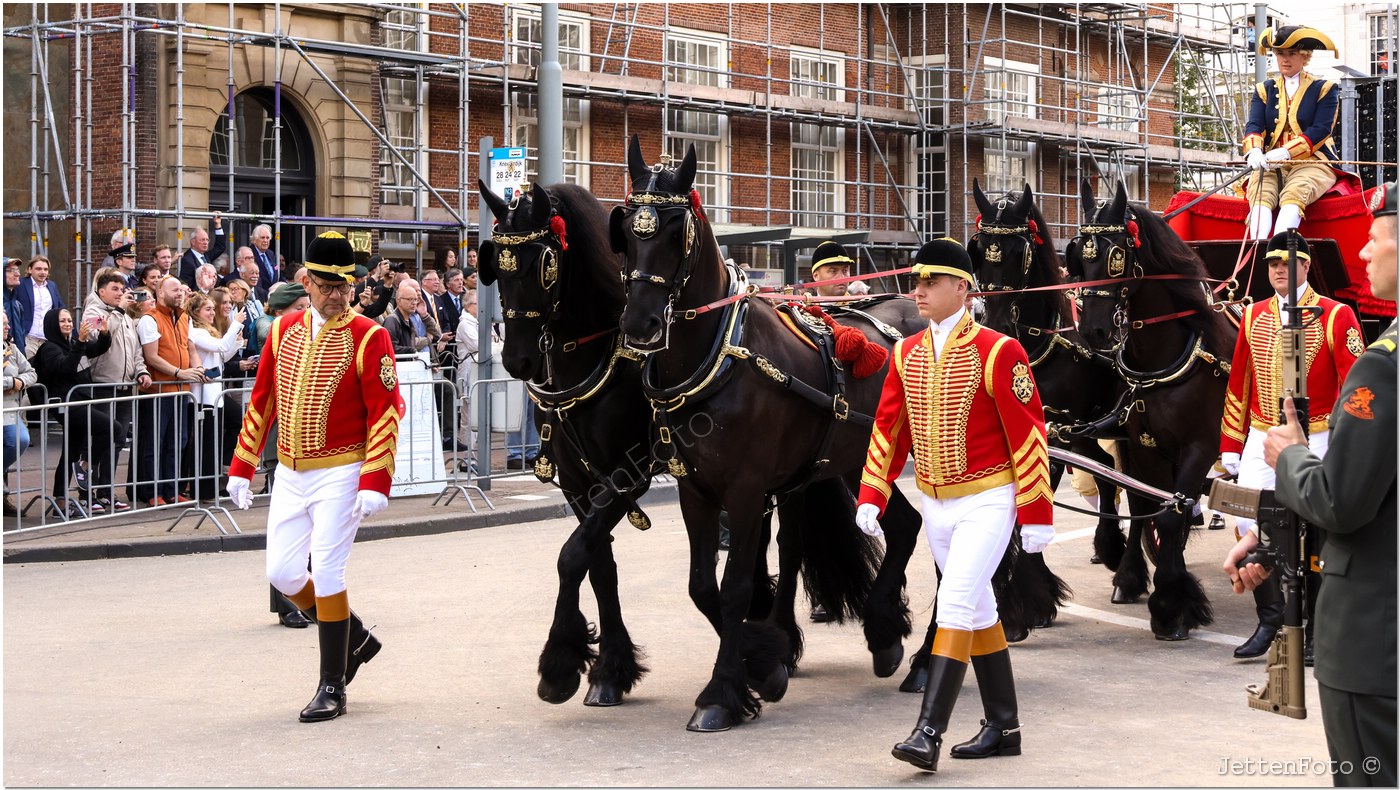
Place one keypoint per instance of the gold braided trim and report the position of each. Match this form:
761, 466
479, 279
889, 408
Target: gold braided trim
513, 239
247, 457
657, 199
949, 491
322, 462
726, 350
997, 230
874, 481
1092, 230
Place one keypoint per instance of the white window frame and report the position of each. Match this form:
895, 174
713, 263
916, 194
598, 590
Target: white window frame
831, 142
712, 180
1380, 40
524, 117
404, 29
1119, 108
934, 220
1015, 159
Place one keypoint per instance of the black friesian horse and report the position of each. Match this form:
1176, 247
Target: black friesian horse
1172, 347
561, 288
1012, 251
778, 429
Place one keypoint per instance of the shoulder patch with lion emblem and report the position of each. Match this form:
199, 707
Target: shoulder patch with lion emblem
1022, 385
388, 374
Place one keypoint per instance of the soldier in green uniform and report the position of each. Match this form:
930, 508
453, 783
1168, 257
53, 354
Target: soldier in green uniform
1351, 497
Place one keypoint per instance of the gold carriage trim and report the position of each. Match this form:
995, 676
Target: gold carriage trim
512, 239
657, 199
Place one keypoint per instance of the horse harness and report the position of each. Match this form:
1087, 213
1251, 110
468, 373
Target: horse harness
558, 403
715, 372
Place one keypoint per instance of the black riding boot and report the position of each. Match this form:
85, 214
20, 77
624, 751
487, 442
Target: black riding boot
329, 701
945, 679
1001, 730
364, 645
1268, 602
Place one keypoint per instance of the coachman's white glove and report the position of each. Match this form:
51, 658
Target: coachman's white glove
367, 503
240, 492
1255, 159
868, 519
1276, 157
1035, 537
1231, 462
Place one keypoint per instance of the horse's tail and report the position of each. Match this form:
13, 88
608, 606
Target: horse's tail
838, 561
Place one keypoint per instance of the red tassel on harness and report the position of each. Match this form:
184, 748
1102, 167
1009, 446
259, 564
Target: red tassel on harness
695, 204
852, 346
1035, 231
1133, 231
556, 226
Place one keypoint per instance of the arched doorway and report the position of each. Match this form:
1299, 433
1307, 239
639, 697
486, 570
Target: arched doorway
253, 163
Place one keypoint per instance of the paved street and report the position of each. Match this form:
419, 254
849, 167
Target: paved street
166, 671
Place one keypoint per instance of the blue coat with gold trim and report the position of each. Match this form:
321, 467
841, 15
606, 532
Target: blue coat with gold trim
1302, 123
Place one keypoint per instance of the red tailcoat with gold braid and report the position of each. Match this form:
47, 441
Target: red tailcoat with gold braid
1333, 343
335, 398
972, 418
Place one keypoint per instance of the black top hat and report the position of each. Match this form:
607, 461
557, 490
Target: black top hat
1294, 37
943, 256
1278, 246
1383, 200
127, 250
330, 256
829, 253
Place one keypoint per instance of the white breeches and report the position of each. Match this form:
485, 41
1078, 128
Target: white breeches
312, 514
968, 536
1254, 473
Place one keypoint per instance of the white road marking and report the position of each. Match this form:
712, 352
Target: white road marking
527, 497
1137, 622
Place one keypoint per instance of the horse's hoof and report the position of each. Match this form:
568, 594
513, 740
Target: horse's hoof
558, 695
1119, 596
886, 660
601, 695
1015, 634
916, 681
1044, 622
711, 718
773, 687
1096, 559
1177, 633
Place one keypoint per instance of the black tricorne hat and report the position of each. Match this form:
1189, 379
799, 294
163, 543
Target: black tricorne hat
1294, 37
1278, 246
1384, 200
829, 253
330, 256
943, 256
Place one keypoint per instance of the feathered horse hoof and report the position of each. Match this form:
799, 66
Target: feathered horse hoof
916, 681
1122, 597
886, 660
710, 718
1177, 632
1015, 633
602, 695
773, 687
558, 695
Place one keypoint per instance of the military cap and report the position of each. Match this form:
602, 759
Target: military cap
284, 296
1384, 200
829, 253
943, 256
330, 256
127, 250
1278, 246
1294, 37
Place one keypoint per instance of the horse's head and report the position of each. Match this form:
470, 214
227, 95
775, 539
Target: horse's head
1004, 246
523, 256
658, 229
1106, 249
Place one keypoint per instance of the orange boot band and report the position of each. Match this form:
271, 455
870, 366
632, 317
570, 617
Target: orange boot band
954, 644
305, 598
986, 641
333, 607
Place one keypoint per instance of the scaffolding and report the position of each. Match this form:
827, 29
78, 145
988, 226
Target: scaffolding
907, 103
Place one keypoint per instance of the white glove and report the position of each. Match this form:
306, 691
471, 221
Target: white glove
1035, 537
1277, 156
868, 519
367, 503
1255, 159
1231, 462
240, 492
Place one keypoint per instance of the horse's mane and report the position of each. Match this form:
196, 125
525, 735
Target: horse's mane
590, 257
1046, 261
1163, 252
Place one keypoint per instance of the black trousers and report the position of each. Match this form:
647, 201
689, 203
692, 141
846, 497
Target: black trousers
1360, 737
87, 433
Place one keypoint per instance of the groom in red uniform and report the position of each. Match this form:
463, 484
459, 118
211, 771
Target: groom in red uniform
327, 377
962, 399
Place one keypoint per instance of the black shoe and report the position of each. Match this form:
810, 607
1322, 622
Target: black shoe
515, 463
1258, 644
294, 619
821, 615
329, 702
1000, 735
922, 746
364, 646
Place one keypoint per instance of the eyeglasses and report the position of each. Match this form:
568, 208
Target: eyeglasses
327, 290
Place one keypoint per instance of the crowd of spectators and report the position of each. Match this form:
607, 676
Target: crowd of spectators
195, 325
